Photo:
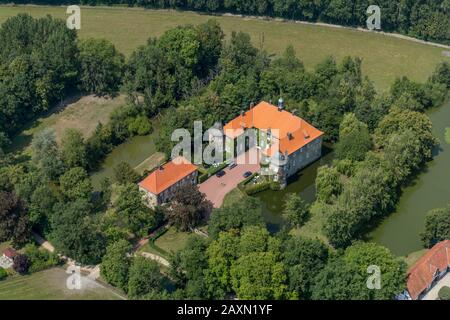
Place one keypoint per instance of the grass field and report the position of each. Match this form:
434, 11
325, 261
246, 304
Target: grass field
82, 113
51, 285
384, 58
170, 242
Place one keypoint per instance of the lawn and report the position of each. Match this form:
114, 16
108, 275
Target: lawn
82, 113
170, 242
233, 196
51, 285
413, 257
384, 58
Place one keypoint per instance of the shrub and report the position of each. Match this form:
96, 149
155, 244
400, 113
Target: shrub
139, 126
40, 259
444, 293
253, 189
203, 177
21, 264
3, 274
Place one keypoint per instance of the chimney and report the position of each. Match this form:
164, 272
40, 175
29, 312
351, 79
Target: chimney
252, 104
280, 104
306, 134
290, 136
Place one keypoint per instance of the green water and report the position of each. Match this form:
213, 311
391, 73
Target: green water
134, 151
301, 183
400, 231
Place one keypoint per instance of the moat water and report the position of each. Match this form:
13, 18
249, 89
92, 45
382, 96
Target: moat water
400, 231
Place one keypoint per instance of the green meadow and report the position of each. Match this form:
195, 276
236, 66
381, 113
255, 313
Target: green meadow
384, 57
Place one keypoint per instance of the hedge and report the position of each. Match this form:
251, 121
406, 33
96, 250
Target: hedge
253, 189
206, 173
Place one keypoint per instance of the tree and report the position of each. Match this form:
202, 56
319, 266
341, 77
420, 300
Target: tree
189, 208
105, 192
221, 254
442, 74
36, 72
74, 234
361, 255
237, 215
354, 139
346, 276
123, 173
144, 278
14, 222
398, 120
187, 268
328, 184
73, 149
437, 227
21, 264
130, 207
295, 210
116, 264
303, 258
338, 281
101, 67
76, 184
45, 154
259, 276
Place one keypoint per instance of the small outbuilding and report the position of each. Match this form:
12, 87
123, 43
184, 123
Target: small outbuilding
7, 259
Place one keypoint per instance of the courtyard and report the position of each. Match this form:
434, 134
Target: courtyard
216, 188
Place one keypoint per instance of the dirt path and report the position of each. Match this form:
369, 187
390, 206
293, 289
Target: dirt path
156, 258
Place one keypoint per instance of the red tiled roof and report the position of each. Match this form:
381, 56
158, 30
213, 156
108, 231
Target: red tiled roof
10, 253
166, 176
420, 276
266, 116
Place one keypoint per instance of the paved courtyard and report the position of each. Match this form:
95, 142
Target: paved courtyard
433, 293
216, 188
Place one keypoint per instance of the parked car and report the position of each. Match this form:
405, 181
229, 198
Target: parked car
247, 174
219, 174
232, 165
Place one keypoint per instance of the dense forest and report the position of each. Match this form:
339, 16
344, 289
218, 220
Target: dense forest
423, 19
382, 141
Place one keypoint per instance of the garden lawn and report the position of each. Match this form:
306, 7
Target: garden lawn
51, 285
170, 242
384, 58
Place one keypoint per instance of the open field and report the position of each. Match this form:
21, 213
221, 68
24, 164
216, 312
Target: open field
384, 58
51, 285
82, 113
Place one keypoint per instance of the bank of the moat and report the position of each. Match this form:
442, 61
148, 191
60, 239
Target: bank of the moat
400, 231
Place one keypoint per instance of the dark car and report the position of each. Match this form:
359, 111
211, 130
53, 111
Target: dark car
247, 174
219, 174
232, 165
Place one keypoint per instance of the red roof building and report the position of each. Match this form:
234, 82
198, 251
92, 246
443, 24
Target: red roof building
160, 184
10, 253
285, 140
430, 267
